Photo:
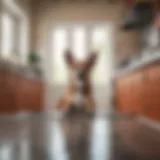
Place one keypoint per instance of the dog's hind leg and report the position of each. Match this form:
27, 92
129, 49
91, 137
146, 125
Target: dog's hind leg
65, 103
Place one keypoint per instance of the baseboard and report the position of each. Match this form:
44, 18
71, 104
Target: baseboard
151, 123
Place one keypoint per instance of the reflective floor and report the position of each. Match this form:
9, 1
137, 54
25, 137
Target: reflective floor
42, 137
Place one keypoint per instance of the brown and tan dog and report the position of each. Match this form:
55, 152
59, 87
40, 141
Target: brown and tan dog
79, 91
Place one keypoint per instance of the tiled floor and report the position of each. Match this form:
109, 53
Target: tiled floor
77, 138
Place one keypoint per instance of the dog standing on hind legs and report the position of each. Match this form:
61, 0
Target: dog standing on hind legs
79, 90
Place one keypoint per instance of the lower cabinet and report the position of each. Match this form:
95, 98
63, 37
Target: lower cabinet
129, 93
152, 93
30, 96
18, 94
139, 92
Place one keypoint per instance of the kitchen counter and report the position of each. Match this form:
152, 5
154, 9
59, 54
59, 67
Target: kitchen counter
140, 63
20, 70
21, 89
137, 92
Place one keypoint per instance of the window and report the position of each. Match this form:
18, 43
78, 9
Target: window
82, 40
98, 42
13, 32
7, 35
79, 42
59, 45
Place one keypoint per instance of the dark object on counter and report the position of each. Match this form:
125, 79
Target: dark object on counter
33, 58
124, 63
139, 17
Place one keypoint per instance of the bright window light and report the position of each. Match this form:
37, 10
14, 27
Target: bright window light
14, 29
98, 43
82, 39
7, 34
79, 42
59, 46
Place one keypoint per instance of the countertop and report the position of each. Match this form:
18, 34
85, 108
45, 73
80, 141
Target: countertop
21, 70
139, 63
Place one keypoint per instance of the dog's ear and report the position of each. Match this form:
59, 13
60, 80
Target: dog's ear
92, 59
68, 57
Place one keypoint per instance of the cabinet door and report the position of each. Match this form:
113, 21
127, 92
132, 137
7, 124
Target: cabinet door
34, 96
39, 96
123, 94
10, 94
21, 97
152, 93
25, 95
129, 93
136, 92
119, 94
30, 95
2, 88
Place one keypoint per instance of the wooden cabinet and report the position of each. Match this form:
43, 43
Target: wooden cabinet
129, 93
152, 93
18, 94
6, 93
136, 85
2, 89
124, 89
30, 95
139, 92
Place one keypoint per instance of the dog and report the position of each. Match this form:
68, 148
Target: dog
79, 90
